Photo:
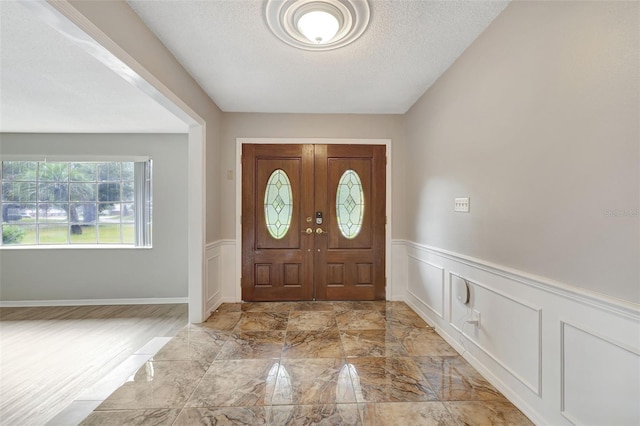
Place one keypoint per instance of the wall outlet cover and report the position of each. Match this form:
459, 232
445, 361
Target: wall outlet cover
461, 205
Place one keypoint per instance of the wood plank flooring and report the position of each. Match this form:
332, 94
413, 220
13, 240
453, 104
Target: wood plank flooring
49, 355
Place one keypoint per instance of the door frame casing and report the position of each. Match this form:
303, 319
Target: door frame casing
310, 141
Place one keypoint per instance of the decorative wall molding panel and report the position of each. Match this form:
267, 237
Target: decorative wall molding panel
426, 284
498, 338
219, 275
399, 269
213, 277
562, 354
582, 394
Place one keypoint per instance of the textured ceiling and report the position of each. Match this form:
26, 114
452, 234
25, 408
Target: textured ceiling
228, 48
48, 84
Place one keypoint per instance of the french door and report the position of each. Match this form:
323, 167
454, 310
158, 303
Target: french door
313, 222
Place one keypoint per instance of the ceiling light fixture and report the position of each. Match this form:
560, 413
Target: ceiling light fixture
317, 24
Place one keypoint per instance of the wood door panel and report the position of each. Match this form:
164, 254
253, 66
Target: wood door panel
356, 272
364, 273
335, 273
360, 260
272, 268
263, 275
276, 275
292, 275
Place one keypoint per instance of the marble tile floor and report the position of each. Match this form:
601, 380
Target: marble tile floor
304, 363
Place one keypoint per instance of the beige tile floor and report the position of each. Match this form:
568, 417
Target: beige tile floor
346, 363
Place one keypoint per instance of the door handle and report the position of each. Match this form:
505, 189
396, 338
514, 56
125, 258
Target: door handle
320, 231
307, 231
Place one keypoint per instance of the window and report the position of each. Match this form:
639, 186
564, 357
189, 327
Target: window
65, 203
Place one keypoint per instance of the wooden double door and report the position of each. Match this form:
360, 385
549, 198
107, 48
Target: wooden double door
313, 222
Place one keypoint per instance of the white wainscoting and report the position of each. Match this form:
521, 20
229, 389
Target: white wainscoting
563, 355
397, 287
219, 275
213, 278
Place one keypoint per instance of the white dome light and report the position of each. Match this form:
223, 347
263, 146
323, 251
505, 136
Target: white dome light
318, 26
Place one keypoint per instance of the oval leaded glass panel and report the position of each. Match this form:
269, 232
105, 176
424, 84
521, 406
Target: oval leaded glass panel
350, 204
278, 204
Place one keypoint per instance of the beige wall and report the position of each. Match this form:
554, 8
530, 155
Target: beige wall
68, 273
537, 122
248, 125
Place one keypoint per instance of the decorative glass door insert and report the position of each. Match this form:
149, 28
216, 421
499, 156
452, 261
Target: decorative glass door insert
350, 204
278, 204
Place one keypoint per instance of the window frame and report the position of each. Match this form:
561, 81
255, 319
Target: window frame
142, 200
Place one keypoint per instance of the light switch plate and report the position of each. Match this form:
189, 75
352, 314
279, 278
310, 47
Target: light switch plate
461, 205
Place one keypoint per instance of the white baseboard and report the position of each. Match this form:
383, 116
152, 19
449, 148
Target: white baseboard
93, 302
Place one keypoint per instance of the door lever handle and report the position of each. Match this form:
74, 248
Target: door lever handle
320, 231
307, 231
